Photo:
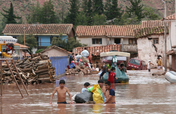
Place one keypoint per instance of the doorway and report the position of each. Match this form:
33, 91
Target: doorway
117, 40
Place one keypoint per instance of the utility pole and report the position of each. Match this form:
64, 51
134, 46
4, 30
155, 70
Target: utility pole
24, 36
165, 32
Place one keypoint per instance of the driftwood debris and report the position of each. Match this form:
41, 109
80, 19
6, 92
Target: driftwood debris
32, 70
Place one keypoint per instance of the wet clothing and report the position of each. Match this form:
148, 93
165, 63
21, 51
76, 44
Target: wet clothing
111, 77
83, 89
103, 72
111, 92
89, 59
62, 102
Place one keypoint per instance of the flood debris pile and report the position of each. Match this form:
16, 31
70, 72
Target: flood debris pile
32, 70
80, 70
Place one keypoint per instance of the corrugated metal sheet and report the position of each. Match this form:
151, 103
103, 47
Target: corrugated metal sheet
59, 63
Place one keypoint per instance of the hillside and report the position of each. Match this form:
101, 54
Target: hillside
23, 7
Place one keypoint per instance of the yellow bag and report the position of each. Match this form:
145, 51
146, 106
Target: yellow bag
97, 94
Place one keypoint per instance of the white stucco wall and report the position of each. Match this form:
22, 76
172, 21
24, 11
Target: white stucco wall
105, 41
173, 33
55, 53
88, 41
147, 52
125, 41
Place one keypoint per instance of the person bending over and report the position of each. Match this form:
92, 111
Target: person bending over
61, 93
86, 85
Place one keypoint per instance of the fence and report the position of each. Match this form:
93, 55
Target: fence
59, 63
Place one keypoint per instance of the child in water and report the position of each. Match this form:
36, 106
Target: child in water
112, 77
122, 68
86, 85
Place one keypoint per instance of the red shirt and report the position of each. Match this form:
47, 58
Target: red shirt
89, 59
111, 77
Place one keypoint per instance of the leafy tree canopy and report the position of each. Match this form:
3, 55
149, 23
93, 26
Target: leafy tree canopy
67, 44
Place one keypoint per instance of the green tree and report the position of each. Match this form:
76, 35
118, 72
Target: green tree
111, 10
30, 41
89, 12
73, 11
2, 25
85, 6
99, 19
127, 20
10, 16
150, 14
66, 44
98, 7
81, 19
45, 14
135, 8
48, 14
39, 50
35, 15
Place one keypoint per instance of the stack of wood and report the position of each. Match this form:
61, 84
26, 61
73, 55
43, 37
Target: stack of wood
35, 69
81, 70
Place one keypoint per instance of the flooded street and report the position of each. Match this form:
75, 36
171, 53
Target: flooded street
144, 94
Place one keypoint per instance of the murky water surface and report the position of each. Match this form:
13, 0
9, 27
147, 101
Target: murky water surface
144, 94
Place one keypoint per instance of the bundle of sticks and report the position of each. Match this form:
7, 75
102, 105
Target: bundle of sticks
35, 69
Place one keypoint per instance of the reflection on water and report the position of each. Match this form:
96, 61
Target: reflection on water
143, 94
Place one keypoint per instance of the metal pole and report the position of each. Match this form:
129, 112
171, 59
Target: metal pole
24, 37
165, 32
122, 44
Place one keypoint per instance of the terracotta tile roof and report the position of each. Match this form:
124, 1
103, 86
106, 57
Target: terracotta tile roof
96, 50
152, 23
170, 17
38, 28
56, 47
143, 32
90, 30
116, 30
106, 30
22, 46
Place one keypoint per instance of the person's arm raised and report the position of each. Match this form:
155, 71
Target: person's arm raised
69, 96
53, 95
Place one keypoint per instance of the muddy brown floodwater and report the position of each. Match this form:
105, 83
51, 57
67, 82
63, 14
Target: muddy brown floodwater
144, 94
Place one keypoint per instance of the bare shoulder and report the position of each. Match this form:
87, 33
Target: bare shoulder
66, 88
57, 88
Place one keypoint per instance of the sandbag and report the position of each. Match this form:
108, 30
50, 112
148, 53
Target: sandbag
83, 97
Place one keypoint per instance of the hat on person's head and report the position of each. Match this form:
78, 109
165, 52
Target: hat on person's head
149, 60
87, 84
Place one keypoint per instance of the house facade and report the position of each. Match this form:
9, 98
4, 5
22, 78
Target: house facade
151, 41
107, 35
42, 32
